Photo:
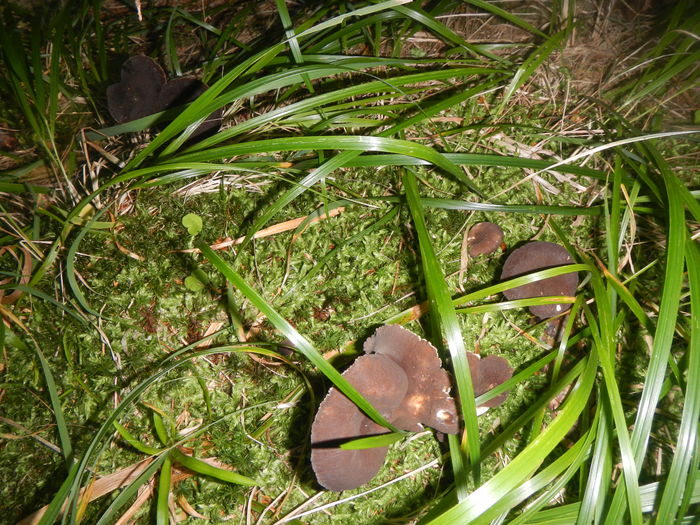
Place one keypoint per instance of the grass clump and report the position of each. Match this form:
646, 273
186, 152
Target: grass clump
358, 147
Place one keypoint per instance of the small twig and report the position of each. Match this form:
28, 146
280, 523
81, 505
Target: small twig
272, 230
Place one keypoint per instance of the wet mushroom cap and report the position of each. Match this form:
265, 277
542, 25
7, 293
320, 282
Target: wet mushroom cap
136, 95
384, 384
484, 237
534, 256
427, 401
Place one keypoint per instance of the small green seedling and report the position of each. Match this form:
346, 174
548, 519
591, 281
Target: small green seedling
193, 223
193, 284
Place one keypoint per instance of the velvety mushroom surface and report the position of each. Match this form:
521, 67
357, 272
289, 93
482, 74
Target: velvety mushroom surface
136, 95
483, 238
487, 373
145, 90
534, 256
492, 371
401, 375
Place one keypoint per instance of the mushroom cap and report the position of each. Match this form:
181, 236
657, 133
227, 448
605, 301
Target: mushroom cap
534, 256
484, 237
427, 401
493, 370
487, 373
384, 384
136, 95
143, 91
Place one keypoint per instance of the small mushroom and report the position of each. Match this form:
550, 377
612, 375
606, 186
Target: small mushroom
493, 371
143, 91
384, 384
535, 256
487, 373
484, 237
427, 400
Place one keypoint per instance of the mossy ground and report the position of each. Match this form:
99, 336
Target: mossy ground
134, 273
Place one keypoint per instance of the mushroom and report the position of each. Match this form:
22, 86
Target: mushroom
402, 377
492, 371
384, 384
136, 95
143, 90
534, 256
487, 373
427, 401
484, 237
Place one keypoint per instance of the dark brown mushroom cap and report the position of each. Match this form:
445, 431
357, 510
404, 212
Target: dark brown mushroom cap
427, 401
136, 95
384, 384
487, 373
484, 237
493, 371
535, 256
143, 91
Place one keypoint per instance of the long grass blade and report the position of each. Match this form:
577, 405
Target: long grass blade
441, 304
687, 441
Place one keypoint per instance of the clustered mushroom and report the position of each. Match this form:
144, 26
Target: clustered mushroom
401, 375
145, 90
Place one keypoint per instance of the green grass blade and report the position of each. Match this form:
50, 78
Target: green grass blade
383, 440
521, 468
663, 337
687, 441
599, 472
202, 467
441, 304
533, 62
131, 440
111, 514
61, 426
567, 464
356, 143
490, 7
605, 344
163, 501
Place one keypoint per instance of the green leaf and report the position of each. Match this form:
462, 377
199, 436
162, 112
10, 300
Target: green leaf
446, 318
202, 467
193, 284
193, 223
383, 440
163, 501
